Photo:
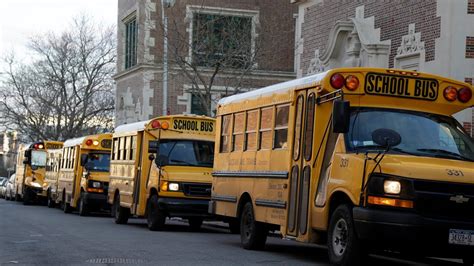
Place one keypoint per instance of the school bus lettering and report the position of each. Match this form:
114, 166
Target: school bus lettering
193, 125
401, 86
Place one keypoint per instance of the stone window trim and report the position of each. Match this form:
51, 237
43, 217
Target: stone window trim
470, 6
193, 9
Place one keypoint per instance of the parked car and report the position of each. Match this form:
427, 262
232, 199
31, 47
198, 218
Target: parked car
3, 184
10, 188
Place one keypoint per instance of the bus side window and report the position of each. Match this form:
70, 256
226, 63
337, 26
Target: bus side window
251, 132
238, 132
132, 147
122, 148
308, 130
115, 149
225, 133
281, 127
128, 147
266, 128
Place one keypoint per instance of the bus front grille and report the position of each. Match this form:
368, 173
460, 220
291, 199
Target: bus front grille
197, 190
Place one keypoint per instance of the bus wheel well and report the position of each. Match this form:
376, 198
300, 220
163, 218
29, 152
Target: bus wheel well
153, 191
243, 199
337, 199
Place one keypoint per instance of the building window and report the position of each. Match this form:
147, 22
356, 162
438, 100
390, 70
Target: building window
196, 106
131, 30
469, 47
470, 6
224, 40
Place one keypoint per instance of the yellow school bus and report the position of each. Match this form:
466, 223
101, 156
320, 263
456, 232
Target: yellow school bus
31, 184
84, 174
357, 158
53, 160
162, 168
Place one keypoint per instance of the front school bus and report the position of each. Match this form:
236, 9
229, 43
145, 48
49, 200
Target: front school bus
358, 158
162, 168
31, 182
84, 174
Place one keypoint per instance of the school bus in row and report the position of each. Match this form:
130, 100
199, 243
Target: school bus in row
53, 162
357, 158
162, 168
84, 174
31, 184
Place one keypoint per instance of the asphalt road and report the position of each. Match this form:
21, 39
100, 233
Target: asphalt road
42, 236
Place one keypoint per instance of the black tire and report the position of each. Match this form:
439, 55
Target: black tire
234, 226
120, 214
83, 210
195, 223
344, 247
155, 218
66, 206
253, 234
468, 260
50, 201
26, 197
17, 197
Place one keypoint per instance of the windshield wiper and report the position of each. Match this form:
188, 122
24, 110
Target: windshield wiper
446, 153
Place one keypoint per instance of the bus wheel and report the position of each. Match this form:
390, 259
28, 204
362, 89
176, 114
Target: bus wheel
344, 247
234, 226
121, 214
26, 197
82, 206
253, 234
155, 218
195, 223
65, 205
50, 200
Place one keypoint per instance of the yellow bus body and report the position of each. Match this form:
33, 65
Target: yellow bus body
53, 162
30, 182
134, 177
76, 182
300, 207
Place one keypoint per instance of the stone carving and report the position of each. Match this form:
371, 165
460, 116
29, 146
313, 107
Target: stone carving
411, 43
315, 65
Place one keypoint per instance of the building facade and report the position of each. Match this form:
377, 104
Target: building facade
263, 52
8, 149
435, 36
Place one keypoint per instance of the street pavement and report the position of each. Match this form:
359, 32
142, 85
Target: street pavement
42, 236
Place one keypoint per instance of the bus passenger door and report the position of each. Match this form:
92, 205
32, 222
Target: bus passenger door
138, 142
300, 172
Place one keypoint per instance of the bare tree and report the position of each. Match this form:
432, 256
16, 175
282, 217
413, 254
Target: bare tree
221, 49
66, 89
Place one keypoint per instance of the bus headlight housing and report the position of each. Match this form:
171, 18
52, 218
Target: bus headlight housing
392, 187
173, 186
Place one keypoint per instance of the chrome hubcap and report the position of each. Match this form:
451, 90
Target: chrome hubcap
339, 237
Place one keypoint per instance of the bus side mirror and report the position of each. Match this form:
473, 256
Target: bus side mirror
153, 146
340, 116
27, 155
83, 159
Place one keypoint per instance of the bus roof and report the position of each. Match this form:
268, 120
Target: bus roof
276, 88
137, 126
74, 142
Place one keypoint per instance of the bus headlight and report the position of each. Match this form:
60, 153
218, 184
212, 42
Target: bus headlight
173, 186
96, 184
392, 187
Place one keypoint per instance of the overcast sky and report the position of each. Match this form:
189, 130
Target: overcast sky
20, 19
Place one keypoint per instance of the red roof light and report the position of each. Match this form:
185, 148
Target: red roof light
337, 81
464, 95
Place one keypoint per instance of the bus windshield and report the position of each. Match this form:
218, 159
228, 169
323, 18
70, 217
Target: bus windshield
421, 134
98, 162
186, 153
38, 158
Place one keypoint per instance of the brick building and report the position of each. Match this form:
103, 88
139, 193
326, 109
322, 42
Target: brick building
435, 36
269, 25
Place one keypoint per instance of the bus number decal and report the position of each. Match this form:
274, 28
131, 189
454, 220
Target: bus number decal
344, 162
454, 172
